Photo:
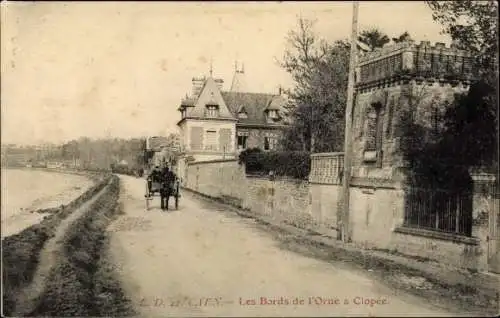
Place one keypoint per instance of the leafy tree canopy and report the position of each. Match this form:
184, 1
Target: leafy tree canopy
374, 38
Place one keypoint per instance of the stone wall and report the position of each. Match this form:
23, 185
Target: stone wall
446, 249
375, 211
218, 178
376, 214
284, 199
377, 205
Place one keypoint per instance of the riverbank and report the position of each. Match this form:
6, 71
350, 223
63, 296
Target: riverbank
21, 253
81, 281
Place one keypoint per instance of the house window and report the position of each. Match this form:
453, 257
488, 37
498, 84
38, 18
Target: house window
242, 142
212, 111
211, 140
273, 114
270, 143
183, 113
242, 139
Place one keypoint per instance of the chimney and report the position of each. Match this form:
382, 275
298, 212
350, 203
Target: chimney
197, 85
279, 90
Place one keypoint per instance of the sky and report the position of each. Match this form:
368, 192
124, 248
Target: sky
97, 69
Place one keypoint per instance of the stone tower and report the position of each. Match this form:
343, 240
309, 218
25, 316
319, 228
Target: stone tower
405, 77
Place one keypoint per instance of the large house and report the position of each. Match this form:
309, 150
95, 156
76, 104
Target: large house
217, 124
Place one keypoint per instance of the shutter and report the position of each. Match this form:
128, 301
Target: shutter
225, 140
211, 140
196, 138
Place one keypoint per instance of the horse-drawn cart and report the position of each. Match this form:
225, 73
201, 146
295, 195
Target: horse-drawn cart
160, 182
162, 189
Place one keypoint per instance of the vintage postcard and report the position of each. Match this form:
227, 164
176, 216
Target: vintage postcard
250, 159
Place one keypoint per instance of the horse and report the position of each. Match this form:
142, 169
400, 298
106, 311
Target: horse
168, 189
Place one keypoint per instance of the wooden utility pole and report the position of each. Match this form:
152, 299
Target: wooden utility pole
348, 126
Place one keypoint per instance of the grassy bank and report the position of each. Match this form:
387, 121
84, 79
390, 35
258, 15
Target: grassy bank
82, 283
21, 252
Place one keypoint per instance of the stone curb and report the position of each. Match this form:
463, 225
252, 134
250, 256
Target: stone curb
486, 282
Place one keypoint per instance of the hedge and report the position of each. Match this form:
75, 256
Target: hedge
295, 164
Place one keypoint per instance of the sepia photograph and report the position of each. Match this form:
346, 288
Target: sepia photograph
250, 159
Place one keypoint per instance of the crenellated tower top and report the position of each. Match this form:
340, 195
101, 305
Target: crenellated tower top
412, 60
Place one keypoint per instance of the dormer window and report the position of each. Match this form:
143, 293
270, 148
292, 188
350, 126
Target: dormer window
212, 111
242, 115
183, 113
273, 114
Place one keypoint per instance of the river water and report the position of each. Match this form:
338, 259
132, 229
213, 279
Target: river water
25, 190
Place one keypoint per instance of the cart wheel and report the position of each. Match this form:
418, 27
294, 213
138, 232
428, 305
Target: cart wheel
177, 196
146, 197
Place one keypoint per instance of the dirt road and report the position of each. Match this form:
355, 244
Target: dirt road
200, 260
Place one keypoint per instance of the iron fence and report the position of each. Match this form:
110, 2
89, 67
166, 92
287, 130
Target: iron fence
439, 210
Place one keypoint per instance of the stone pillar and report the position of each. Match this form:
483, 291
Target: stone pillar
484, 205
357, 74
407, 60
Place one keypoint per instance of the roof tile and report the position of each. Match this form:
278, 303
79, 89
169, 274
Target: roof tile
254, 104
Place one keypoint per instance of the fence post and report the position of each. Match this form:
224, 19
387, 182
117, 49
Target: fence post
436, 211
457, 215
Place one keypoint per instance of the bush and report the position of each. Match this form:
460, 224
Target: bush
295, 164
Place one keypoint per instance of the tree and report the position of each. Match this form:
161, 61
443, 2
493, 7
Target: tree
473, 123
402, 38
374, 38
473, 25
317, 101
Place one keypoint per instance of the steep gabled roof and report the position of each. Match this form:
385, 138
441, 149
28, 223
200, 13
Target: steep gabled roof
209, 94
254, 104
